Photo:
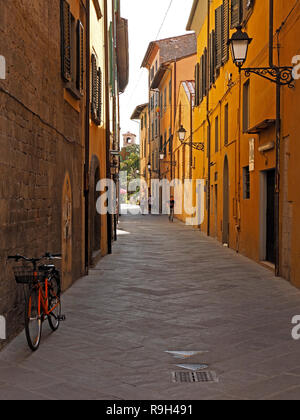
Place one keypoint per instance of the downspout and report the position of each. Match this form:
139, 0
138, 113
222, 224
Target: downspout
107, 126
191, 136
278, 138
174, 117
208, 123
87, 139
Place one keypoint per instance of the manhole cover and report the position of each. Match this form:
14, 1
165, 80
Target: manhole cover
190, 377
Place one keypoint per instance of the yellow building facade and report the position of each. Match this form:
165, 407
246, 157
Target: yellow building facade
235, 117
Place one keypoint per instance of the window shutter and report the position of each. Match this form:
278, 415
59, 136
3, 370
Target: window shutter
205, 78
218, 29
94, 88
80, 57
236, 13
197, 71
99, 110
66, 41
200, 80
212, 58
225, 31
247, 6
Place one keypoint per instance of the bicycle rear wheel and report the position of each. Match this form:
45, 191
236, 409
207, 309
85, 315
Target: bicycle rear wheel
33, 320
54, 302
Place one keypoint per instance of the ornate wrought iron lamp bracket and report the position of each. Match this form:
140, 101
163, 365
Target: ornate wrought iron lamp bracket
282, 76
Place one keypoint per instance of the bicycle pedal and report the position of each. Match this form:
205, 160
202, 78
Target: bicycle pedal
62, 318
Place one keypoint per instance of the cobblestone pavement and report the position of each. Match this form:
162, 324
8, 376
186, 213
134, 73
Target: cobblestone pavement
165, 288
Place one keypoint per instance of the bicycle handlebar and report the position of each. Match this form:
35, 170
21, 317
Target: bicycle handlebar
46, 256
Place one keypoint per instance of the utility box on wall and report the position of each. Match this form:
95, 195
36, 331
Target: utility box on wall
2, 68
2, 328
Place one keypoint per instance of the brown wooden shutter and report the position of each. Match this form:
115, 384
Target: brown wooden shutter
218, 30
94, 88
80, 58
66, 66
236, 13
200, 80
205, 75
247, 6
99, 111
197, 71
225, 31
212, 64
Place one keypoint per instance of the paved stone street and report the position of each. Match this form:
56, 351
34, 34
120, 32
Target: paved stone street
165, 288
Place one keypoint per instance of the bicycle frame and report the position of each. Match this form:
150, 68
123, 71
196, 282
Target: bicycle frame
43, 300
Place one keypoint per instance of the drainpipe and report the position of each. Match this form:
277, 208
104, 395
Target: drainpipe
107, 126
278, 137
209, 124
87, 139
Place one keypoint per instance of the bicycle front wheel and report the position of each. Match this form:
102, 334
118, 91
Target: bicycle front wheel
54, 302
33, 320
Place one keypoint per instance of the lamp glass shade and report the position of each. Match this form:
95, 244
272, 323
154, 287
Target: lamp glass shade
239, 51
182, 134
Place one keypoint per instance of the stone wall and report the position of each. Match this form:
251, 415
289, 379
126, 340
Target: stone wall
40, 141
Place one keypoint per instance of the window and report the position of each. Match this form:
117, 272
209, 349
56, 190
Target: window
246, 183
170, 92
216, 134
72, 51
240, 11
226, 125
96, 91
246, 106
165, 99
197, 77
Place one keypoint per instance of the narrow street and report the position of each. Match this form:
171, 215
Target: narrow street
165, 288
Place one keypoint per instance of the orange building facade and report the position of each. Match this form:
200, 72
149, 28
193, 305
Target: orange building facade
235, 118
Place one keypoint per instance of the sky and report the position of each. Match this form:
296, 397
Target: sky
145, 18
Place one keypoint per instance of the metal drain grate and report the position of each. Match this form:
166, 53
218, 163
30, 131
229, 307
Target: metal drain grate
190, 377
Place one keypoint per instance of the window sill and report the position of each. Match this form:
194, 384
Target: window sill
73, 91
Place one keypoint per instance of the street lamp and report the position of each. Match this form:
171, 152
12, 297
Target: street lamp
182, 135
239, 44
280, 76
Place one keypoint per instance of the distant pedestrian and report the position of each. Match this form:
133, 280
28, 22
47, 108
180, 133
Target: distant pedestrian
172, 207
150, 204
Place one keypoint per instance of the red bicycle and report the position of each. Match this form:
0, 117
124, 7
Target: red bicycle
42, 298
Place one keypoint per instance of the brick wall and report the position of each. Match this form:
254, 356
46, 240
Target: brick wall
40, 140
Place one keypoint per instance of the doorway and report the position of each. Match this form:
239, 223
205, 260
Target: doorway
267, 217
225, 234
